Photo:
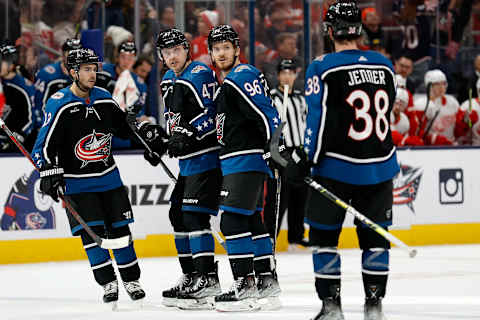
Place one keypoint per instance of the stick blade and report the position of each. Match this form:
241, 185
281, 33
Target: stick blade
276, 156
116, 243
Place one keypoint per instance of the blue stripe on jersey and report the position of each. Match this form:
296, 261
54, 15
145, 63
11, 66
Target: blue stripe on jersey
237, 210
118, 143
244, 163
107, 182
97, 255
122, 223
125, 255
202, 243
200, 209
357, 174
182, 243
198, 164
240, 246
320, 226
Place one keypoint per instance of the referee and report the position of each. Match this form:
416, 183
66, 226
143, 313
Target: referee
291, 197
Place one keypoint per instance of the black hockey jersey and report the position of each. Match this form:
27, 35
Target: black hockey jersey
188, 100
77, 135
350, 96
246, 119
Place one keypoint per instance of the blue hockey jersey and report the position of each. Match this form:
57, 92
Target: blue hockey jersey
77, 135
189, 100
350, 95
246, 120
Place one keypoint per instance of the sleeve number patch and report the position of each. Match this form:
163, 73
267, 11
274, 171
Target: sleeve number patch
208, 90
362, 113
313, 86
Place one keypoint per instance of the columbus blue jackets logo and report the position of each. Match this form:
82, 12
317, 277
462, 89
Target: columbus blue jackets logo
26, 208
405, 186
93, 148
220, 123
174, 120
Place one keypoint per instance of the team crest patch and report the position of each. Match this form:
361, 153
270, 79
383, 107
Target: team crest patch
220, 119
34, 221
405, 186
50, 69
242, 68
58, 95
174, 120
93, 148
198, 68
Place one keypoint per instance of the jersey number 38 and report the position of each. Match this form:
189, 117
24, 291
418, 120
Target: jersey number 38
373, 120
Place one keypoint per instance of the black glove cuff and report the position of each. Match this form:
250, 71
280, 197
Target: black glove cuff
51, 172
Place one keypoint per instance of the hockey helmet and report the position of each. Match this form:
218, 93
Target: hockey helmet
223, 33
78, 57
127, 46
434, 76
344, 19
9, 53
71, 44
402, 95
286, 64
171, 38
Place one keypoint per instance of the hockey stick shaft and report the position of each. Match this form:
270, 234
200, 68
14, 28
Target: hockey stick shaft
330, 196
424, 115
104, 243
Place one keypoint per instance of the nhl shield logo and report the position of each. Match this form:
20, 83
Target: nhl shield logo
93, 148
220, 119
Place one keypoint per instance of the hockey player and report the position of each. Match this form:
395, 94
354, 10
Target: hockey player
73, 151
435, 119
402, 133
19, 92
350, 95
467, 128
52, 78
189, 88
245, 121
291, 196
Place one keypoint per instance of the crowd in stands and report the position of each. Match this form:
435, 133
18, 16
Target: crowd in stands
433, 45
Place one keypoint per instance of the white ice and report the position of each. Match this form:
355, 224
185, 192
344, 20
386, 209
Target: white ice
440, 283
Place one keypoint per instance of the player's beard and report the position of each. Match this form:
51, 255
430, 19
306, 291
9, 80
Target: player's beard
229, 67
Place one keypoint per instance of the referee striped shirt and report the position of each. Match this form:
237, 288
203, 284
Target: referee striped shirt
294, 131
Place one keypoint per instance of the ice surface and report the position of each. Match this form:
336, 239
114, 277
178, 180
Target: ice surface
440, 283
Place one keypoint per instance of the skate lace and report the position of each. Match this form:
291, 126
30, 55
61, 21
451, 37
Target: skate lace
236, 286
111, 287
183, 281
132, 286
200, 283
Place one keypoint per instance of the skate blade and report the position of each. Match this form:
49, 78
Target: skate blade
207, 303
138, 303
249, 305
269, 303
170, 302
112, 305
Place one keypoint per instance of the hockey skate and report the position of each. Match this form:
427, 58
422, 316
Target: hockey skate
242, 296
268, 291
201, 296
110, 295
331, 310
170, 296
135, 291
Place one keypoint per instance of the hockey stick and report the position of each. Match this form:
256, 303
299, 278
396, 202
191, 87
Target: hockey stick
422, 120
116, 243
339, 202
170, 175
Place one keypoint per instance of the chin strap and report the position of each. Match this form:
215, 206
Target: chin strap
77, 82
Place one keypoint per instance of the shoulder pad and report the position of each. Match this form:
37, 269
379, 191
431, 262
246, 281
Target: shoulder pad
57, 95
49, 69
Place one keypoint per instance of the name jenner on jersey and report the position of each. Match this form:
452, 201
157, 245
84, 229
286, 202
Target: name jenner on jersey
361, 76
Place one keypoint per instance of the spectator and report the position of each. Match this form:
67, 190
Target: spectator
404, 67
277, 26
167, 18
371, 23
286, 47
206, 20
467, 127
470, 83
435, 119
142, 67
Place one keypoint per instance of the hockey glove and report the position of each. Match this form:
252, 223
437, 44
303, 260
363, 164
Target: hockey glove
297, 168
152, 157
154, 136
132, 112
51, 179
181, 141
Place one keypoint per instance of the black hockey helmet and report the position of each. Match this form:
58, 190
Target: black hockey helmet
344, 18
78, 57
9, 53
223, 33
71, 44
171, 38
286, 64
127, 46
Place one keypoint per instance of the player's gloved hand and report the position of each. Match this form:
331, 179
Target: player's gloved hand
284, 153
181, 141
132, 112
152, 157
154, 136
297, 168
51, 179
